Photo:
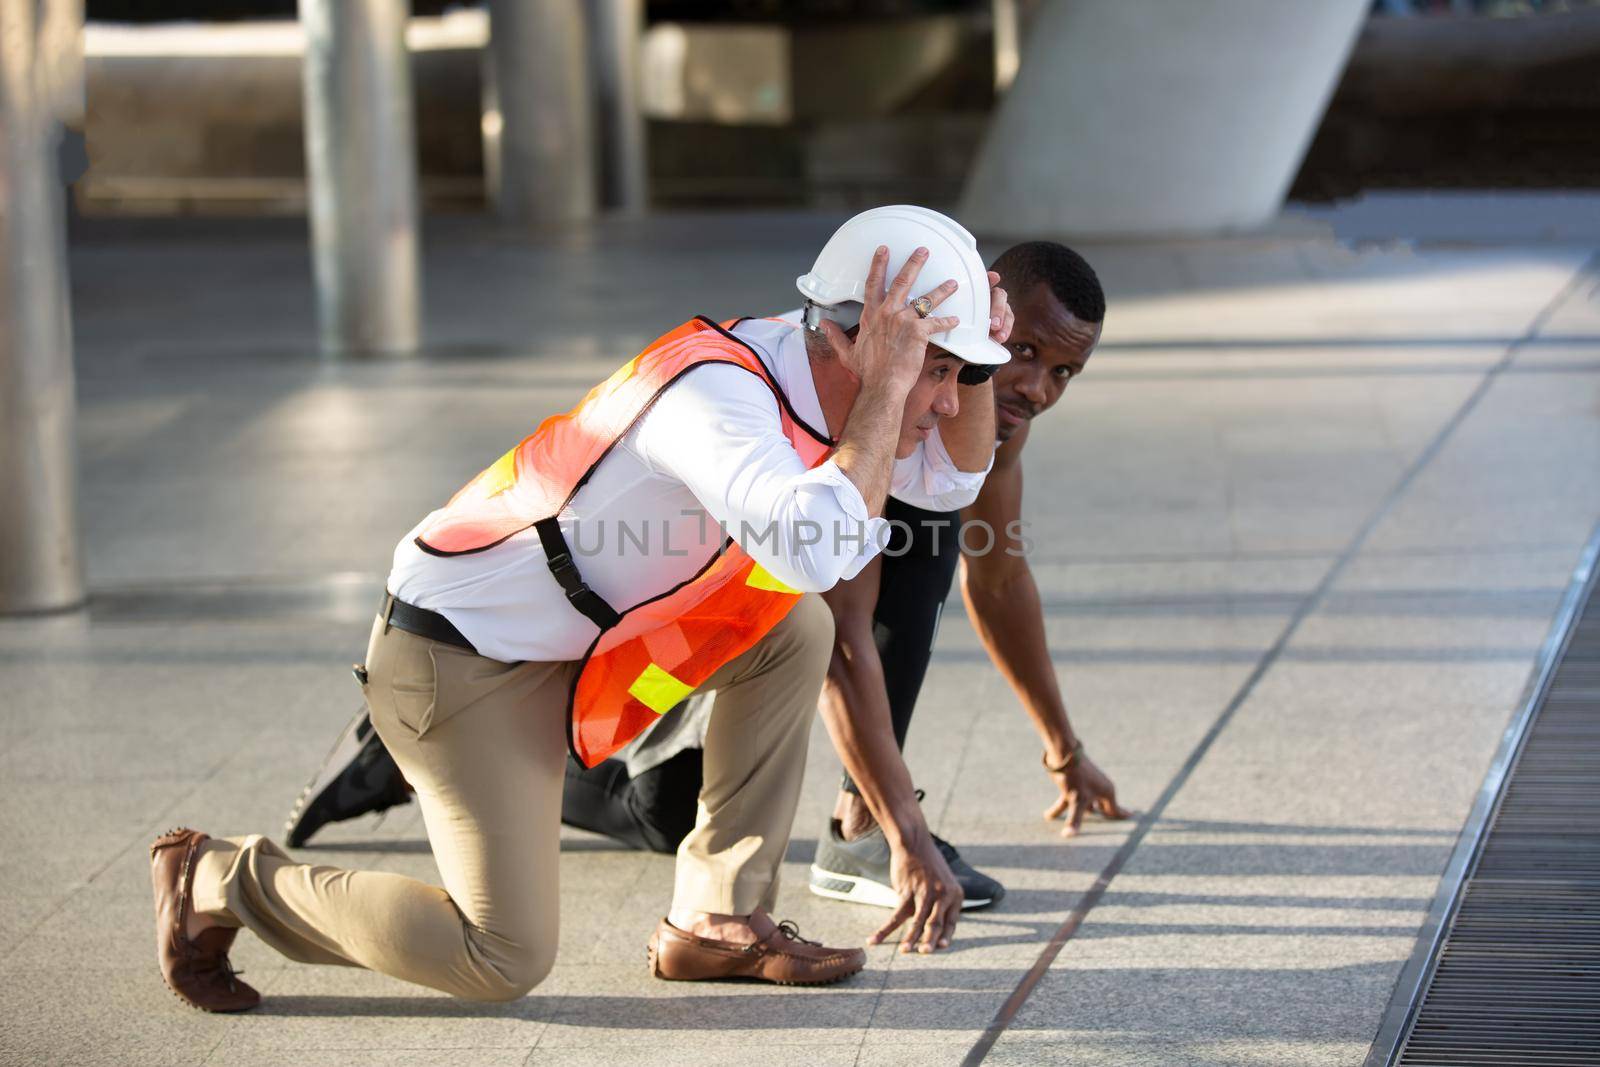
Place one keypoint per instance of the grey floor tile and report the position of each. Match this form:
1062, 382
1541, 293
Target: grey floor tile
232, 1054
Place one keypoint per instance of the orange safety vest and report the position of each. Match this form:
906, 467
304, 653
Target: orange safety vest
649, 656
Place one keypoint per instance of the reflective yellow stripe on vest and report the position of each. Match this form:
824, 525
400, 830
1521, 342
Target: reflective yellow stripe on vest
761, 578
658, 690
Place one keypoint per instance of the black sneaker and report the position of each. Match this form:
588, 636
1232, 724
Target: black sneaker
858, 870
981, 890
359, 776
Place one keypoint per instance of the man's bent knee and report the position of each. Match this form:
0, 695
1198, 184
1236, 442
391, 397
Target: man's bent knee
510, 979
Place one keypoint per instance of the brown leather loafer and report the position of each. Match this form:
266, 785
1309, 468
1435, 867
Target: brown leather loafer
195, 969
784, 957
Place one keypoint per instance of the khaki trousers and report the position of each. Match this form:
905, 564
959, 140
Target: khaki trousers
484, 745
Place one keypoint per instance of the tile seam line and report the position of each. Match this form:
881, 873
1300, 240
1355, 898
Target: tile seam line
872, 1016
1091, 898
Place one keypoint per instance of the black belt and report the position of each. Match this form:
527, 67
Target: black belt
422, 622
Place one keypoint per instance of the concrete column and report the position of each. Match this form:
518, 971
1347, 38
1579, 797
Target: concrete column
1007, 24
361, 162
538, 117
40, 565
1146, 117
618, 26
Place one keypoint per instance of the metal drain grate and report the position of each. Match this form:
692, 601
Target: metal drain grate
1515, 976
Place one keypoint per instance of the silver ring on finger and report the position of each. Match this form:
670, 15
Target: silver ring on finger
922, 306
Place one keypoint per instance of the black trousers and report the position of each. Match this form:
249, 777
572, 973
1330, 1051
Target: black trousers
656, 810
919, 564
653, 812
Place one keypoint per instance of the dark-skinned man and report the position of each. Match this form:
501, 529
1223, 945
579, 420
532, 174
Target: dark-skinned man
886, 618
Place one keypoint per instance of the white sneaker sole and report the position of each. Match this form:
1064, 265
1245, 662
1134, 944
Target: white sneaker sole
857, 890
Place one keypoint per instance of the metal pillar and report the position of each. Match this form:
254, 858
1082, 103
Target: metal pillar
617, 26
538, 122
361, 162
40, 565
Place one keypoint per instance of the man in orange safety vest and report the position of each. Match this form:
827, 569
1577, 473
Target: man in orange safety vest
764, 452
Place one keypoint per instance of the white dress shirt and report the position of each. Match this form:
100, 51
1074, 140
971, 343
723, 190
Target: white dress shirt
709, 455
710, 451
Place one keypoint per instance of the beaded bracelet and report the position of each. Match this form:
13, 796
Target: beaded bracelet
1072, 757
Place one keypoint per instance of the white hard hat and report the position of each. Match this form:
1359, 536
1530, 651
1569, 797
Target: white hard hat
839, 275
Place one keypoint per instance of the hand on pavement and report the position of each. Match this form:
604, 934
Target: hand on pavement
930, 898
1084, 787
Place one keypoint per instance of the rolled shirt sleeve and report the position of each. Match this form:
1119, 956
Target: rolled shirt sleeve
717, 430
929, 478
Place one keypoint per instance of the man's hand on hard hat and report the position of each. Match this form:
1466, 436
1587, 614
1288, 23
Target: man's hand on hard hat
892, 339
886, 358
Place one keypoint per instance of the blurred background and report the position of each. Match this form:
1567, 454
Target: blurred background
195, 107
304, 150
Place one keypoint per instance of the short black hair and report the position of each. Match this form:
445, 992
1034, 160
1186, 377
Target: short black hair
1068, 274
